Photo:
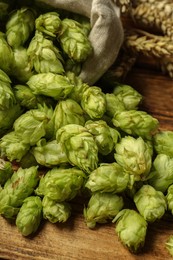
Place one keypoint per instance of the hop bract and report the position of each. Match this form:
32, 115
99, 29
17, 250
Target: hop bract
6, 54
131, 229
79, 146
150, 203
163, 142
6, 171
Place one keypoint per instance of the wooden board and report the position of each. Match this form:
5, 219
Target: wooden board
73, 240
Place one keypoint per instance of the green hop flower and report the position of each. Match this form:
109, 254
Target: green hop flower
169, 198
93, 102
131, 228
20, 186
169, 245
49, 23
150, 203
136, 123
6, 54
79, 146
6, 171
61, 184
108, 177
51, 85
162, 142
102, 207
29, 216
161, 175
113, 105
74, 42
55, 211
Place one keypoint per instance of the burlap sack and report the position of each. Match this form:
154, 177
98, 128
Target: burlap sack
106, 35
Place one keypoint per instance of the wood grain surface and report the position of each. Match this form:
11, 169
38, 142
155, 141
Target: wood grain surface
73, 240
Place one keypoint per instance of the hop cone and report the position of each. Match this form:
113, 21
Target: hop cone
79, 88
169, 198
51, 85
136, 123
93, 102
29, 216
131, 228
134, 155
31, 126
7, 118
163, 142
20, 186
161, 175
108, 177
66, 112
6, 55
79, 146
22, 67
49, 153
55, 211
128, 95
6, 171
102, 207
74, 41
61, 184
25, 96
19, 26
7, 98
150, 203
169, 245
113, 105
105, 137
48, 23
44, 55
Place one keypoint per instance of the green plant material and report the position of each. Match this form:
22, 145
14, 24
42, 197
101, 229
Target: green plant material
28, 160
108, 177
51, 85
55, 211
93, 102
169, 245
72, 66
136, 123
84, 21
66, 112
20, 186
7, 98
33, 124
19, 26
74, 41
6, 54
79, 146
134, 155
48, 23
61, 184
128, 95
113, 105
169, 198
44, 55
105, 136
29, 216
49, 153
79, 88
161, 175
131, 229
162, 142
150, 203
7, 118
22, 67
6, 171
101, 208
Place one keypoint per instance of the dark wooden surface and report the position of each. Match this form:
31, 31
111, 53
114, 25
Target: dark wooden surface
73, 240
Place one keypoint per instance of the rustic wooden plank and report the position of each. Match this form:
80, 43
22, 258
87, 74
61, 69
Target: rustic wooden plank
73, 240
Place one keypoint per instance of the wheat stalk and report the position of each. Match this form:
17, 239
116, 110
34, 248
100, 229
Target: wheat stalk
166, 65
139, 41
124, 5
158, 16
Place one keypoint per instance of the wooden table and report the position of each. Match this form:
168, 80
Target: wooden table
73, 240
